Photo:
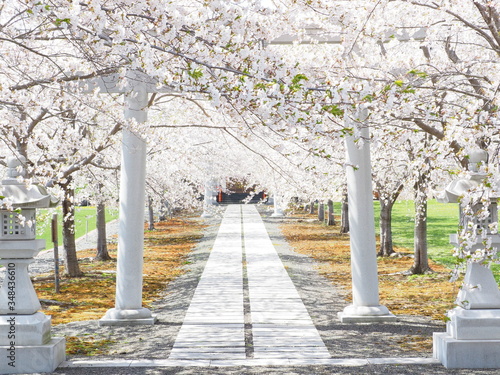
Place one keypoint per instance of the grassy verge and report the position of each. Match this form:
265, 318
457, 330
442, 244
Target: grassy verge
441, 222
89, 297
85, 218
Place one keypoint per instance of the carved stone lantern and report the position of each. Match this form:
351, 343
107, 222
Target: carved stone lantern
472, 337
25, 338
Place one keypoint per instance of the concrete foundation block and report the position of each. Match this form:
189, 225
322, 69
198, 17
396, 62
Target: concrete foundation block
24, 329
32, 359
454, 353
474, 324
366, 314
128, 317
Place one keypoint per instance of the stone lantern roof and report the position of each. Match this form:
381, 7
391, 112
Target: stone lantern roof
35, 196
458, 188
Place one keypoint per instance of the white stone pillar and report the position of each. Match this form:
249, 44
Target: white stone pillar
207, 199
278, 212
128, 301
365, 306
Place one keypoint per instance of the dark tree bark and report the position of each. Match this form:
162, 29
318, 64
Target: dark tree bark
321, 212
344, 215
71, 267
386, 204
151, 214
421, 261
386, 245
102, 244
311, 208
331, 218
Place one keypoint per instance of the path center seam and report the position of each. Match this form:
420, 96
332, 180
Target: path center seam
249, 349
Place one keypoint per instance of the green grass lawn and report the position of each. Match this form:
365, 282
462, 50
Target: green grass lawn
85, 218
442, 221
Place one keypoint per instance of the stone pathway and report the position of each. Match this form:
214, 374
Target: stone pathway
214, 324
214, 327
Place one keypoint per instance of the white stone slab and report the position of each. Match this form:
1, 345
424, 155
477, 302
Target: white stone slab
208, 343
273, 341
291, 355
402, 361
287, 335
280, 321
214, 327
190, 335
214, 323
232, 349
208, 356
281, 315
33, 359
327, 362
31, 329
208, 353
96, 363
453, 353
169, 363
250, 362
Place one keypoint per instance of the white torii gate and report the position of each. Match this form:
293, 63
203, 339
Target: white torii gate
365, 293
128, 308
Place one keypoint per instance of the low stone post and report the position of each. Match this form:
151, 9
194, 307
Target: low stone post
26, 345
330, 213
321, 211
209, 198
278, 211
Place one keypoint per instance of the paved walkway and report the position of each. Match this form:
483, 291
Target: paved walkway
214, 327
214, 324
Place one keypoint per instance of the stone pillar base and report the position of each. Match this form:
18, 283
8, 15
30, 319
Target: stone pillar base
471, 340
453, 353
366, 314
32, 359
24, 329
132, 317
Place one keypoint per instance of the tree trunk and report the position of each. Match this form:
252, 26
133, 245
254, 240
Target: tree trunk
151, 214
311, 208
321, 212
386, 246
421, 262
344, 215
331, 218
102, 245
71, 267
